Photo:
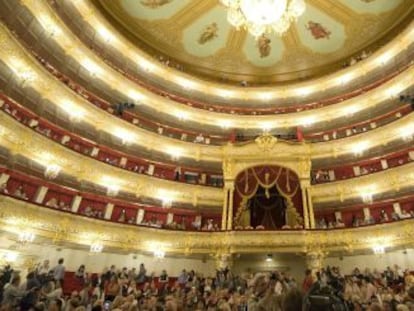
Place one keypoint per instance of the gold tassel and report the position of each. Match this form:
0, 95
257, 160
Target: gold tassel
246, 185
287, 181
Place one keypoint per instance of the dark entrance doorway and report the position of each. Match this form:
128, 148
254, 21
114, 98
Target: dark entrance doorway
267, 208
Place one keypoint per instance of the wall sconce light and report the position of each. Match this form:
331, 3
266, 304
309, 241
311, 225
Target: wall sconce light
96, 248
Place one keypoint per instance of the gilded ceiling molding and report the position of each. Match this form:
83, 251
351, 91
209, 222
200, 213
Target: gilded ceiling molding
34, 146
116, 81
64, 228
163, 34
30, 74
93, 17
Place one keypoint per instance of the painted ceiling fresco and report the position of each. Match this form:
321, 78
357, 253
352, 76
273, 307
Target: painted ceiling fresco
197, 34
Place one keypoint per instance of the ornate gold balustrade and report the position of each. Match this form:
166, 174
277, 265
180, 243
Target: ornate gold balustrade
21, 140
111, 79
32, 76
17, 216
266, 150
395, 179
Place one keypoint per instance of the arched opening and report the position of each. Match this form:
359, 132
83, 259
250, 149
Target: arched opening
267, 197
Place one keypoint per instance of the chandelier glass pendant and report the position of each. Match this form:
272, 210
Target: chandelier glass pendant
263, 16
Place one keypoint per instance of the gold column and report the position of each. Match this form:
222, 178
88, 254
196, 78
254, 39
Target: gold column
314, 260
223, 260
310, 205
224, 215
230, 216
305, 208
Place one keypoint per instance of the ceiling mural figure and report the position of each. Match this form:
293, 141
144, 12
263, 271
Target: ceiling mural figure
197, 35
318, 31
154, 4
263, 43
209, 33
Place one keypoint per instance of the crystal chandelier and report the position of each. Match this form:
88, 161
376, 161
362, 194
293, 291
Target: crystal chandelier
263, 16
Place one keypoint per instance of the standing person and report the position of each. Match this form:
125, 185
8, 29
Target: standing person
308, 281
12, 293
142, 274
81, 275
112, 289
177, 173
59, 271
43, 271
182, 278
163, 278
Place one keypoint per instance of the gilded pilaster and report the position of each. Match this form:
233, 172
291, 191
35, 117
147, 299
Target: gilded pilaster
230, 207
305, 208
223, 260
224, 214
310, 206
314, 260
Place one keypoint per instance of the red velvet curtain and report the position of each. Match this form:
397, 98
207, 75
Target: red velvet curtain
272, 179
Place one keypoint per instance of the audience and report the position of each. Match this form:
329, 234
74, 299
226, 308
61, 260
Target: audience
324, 223
327, 289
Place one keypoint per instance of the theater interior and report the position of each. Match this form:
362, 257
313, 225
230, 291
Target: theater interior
156, 132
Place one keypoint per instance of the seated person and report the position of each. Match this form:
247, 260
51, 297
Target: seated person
63, 206
322, 224
122, 217
210, 225
159, 223
320, 175
355, 221
199, 139
395, 216
20, 193
100, 214
369, 220
405, 214
196, 224
298, 226
174, 225
88, 211
3, 188
383, 216
339, 223
52, 203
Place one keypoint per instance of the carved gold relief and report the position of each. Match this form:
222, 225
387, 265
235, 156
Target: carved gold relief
266, 142
71, 228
